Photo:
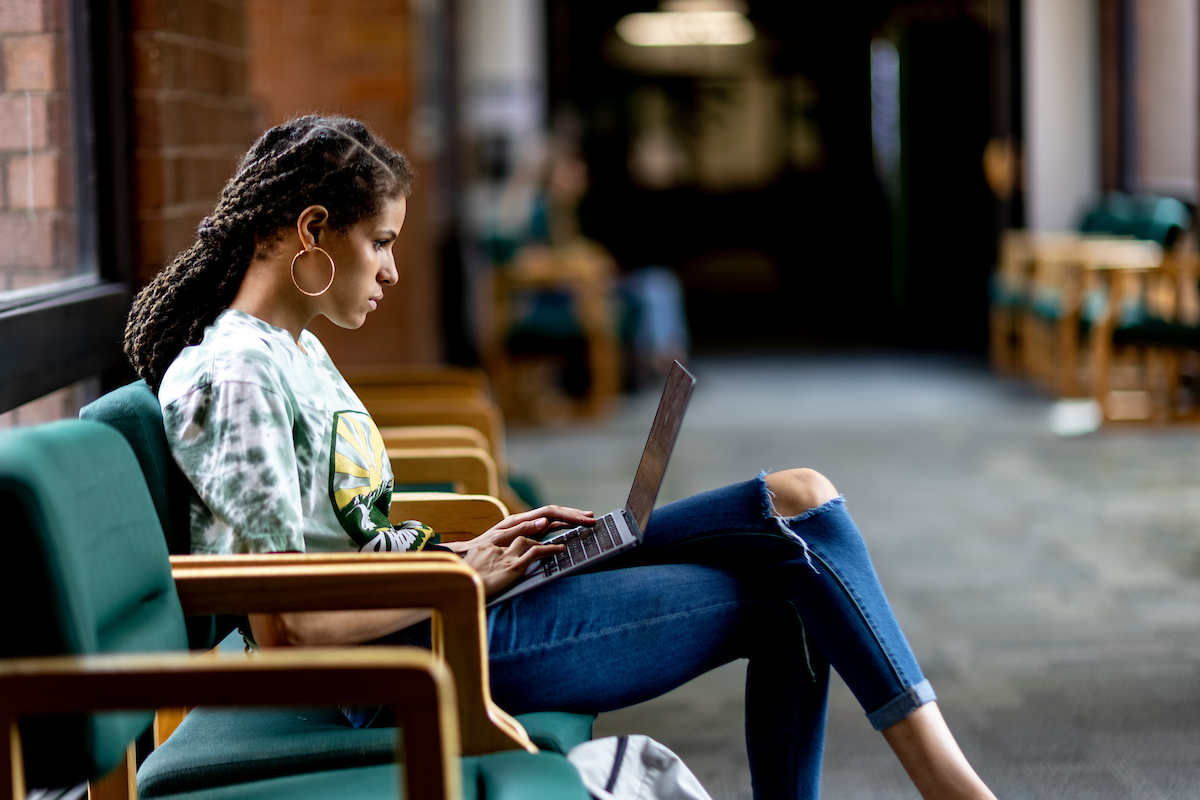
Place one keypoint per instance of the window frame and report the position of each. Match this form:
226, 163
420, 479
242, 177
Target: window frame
70, 332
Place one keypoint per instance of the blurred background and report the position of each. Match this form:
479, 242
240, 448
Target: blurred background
603, 186
942, 250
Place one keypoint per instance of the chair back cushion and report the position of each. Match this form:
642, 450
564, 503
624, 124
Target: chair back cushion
134, 411
85, 571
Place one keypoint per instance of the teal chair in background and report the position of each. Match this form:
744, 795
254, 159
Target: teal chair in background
1150, 217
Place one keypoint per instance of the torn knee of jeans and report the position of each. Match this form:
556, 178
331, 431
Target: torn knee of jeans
785, 523
769, 512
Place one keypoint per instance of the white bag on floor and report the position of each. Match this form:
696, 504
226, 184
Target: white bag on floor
634, 768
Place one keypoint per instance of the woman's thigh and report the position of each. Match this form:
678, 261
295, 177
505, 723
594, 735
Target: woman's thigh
732, 527
604, 640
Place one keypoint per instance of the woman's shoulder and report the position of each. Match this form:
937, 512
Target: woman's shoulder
235, 348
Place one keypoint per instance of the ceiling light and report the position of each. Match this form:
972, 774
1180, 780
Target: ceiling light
677, 28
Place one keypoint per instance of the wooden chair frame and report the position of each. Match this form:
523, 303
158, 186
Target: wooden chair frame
281, 582
1168, 291
343, 581
414, 684
423, 436
472, 470
454, 516
427, 375
477, 413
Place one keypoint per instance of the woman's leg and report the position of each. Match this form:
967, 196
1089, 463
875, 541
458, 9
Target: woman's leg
791, 535
606, 640
792, 589
921, 740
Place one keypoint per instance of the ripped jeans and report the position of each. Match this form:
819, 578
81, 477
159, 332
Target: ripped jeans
718, 577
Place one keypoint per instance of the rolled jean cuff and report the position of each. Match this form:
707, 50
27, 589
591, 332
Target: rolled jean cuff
902, 705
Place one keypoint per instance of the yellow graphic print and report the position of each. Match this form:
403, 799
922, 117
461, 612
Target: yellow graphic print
360, 486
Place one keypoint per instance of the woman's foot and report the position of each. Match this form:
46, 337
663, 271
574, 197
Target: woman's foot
927, 750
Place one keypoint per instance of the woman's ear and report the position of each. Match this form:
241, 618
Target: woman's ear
312, 223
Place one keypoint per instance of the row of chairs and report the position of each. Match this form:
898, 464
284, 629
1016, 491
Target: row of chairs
100, 570
553, 345
1107, 317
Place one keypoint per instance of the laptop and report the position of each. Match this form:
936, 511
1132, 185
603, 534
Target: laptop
622, 529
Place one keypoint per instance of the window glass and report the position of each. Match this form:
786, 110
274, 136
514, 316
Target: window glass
38, 232
62, 404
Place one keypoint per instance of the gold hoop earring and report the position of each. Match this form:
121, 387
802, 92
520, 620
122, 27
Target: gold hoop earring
332, 271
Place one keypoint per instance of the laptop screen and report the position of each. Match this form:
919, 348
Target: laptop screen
659, 444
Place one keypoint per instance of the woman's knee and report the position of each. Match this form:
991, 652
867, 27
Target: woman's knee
795, 491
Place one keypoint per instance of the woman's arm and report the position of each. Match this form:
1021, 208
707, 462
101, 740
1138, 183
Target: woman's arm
500, 556
331, 628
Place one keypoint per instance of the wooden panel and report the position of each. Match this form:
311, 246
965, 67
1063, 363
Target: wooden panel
474, 469
454, 516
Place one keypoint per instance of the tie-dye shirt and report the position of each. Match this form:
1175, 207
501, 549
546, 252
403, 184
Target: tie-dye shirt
281, 452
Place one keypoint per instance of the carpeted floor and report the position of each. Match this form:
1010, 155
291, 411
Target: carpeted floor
1050, 586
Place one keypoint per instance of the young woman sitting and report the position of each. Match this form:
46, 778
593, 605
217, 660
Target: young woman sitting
285, 458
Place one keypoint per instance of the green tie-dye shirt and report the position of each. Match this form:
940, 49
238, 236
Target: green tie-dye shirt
282, 453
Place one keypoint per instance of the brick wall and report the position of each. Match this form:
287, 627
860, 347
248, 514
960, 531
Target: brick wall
192, 118
37, 243
355, 57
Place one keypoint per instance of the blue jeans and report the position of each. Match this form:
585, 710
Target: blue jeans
718, 577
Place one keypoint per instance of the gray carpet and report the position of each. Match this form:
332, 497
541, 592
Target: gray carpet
1050, 586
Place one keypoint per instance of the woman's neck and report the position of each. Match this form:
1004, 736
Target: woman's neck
264, 295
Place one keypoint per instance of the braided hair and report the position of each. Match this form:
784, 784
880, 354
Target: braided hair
313, 160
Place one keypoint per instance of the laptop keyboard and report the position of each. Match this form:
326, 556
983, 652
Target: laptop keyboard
582, 543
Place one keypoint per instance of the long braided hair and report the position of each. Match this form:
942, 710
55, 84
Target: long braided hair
330, 161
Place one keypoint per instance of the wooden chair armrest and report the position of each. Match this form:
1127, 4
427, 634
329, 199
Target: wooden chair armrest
433, 436
471, 467
482, 416
282, 582
418, 391
412, 682
454, 516
415, 374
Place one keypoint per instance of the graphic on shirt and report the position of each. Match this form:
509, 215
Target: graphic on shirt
358, 487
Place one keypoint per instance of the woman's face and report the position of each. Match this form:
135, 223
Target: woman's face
365, 263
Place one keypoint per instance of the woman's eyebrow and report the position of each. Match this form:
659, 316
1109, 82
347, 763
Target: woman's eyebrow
386, 233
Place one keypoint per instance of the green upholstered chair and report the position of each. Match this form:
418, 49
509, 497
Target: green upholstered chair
197, 761
134, 411
1150, 217
73, 583
88, 583
1152, 329
283, 739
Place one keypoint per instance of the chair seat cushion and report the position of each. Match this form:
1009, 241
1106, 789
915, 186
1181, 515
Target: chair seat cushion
1151, 331
513, 775
557, 731
223, 746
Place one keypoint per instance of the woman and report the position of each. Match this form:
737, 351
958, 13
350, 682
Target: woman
284, 457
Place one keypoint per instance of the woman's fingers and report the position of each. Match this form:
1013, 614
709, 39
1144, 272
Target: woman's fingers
529, 551
531, 527
571, 516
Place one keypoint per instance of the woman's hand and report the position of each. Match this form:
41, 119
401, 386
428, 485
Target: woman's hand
503, 554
